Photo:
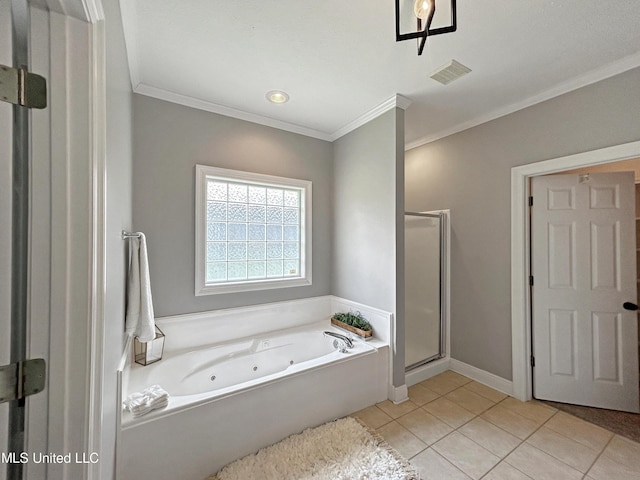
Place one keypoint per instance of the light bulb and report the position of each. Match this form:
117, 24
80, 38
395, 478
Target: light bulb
423, 8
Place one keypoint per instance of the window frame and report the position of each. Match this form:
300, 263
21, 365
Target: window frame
203, 174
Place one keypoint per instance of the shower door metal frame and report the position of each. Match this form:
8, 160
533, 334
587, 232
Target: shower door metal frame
19, 240
442, 217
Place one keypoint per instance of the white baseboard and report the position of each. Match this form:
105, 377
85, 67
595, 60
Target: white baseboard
429, 370
398, 394
482, 376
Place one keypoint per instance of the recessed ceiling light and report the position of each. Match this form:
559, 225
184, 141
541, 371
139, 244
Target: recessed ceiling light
277, 96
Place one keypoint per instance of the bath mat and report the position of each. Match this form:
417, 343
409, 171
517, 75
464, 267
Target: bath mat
340, 450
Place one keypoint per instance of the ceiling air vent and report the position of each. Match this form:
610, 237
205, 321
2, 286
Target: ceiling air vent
450, 72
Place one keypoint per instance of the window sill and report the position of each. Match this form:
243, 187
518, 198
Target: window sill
252, 286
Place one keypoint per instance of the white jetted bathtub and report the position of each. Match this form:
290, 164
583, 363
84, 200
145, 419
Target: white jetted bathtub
233, 396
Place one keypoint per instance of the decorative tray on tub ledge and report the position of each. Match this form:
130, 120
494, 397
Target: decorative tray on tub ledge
366, 334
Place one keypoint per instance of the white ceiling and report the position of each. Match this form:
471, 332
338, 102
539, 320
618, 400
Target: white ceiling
339, 61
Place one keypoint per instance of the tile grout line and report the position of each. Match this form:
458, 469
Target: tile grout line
476, 415
449, 462
569, 438
600, 454
522, 441
479, 415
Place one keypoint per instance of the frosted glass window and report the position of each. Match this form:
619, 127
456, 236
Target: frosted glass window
216, 251
253, 231
256, 232
291, 198
237, 212
274, 268
257, 213
291, 233
274, 233
216, 211
257, 195
237, 193
217, 191
274, 250
274, 215
256, 250
291, 268
257, 270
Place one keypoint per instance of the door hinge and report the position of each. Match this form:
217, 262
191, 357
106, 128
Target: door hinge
20, 87
533, 361
531, 201
531, 280
21, 379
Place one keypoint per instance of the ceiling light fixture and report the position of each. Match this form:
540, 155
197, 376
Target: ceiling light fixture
431, 17
277, 96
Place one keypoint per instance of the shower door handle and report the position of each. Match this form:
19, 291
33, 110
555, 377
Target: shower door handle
630, 306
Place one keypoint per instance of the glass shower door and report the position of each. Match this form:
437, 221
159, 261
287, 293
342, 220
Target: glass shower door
423, 292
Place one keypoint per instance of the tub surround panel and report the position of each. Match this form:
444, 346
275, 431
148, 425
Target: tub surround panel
381, 321
194, 330
383, 328
184, 332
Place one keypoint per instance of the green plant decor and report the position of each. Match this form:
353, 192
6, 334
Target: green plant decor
355, 319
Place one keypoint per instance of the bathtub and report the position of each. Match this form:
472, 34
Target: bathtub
235, 396
208, 373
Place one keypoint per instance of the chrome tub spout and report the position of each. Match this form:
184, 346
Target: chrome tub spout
342, 342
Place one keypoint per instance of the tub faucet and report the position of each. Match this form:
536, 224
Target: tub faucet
342, 342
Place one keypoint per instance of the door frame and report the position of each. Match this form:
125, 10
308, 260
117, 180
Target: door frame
435, 367
521, 246
70, 49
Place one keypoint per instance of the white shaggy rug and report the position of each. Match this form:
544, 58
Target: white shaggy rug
342, 449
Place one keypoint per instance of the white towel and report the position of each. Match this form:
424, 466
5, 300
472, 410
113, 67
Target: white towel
140, 320
151, 398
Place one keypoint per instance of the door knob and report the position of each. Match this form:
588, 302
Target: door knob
630, 306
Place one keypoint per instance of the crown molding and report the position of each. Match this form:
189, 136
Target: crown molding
93, 10
192, 102
615, 68
396, 101
143, 89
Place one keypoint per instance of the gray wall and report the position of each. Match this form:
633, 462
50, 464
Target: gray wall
118, 215
169, 141
368, 178
470, 173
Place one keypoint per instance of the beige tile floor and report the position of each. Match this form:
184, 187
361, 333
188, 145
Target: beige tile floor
454, 428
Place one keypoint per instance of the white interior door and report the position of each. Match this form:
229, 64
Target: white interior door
6, 139
585, 343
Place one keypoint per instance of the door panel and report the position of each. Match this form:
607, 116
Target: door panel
6, 129
562, 335
583, 262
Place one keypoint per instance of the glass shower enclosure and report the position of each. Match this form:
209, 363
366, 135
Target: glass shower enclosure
424, 267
